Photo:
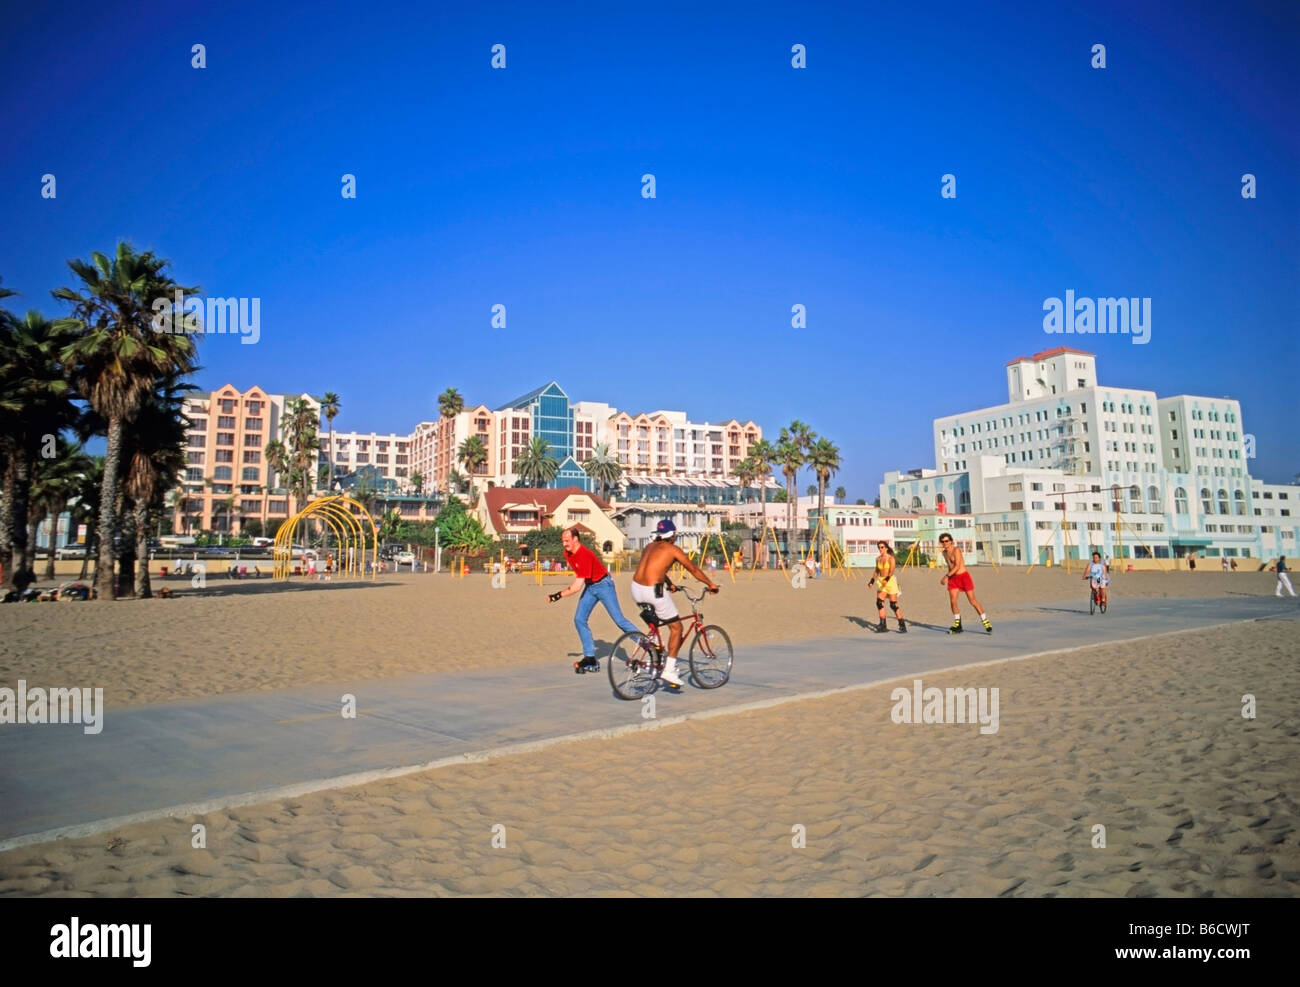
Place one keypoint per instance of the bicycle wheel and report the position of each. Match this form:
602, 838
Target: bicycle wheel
711, 657
631, 666
1103, 607
1092, 602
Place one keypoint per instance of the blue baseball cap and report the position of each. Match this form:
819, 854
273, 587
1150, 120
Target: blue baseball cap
666, 528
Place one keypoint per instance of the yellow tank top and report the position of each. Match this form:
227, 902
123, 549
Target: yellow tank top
886, 567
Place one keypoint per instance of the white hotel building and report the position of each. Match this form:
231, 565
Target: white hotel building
1066, 466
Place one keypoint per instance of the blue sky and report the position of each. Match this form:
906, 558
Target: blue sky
775, 186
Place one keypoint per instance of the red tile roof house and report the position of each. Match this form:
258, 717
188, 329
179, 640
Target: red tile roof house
512, 512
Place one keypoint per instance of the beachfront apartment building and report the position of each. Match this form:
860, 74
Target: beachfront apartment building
226, 475
654, 446
389, 454
666, 458
1067, 465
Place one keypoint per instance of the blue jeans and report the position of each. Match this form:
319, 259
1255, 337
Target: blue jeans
603, 593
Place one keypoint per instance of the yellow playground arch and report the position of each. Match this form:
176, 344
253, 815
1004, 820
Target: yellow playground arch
352, 530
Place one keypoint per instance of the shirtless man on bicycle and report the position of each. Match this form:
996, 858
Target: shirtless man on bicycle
651, 586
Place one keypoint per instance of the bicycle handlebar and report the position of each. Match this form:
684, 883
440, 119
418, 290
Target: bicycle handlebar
694, 599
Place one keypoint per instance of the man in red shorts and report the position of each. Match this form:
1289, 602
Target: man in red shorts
958, 580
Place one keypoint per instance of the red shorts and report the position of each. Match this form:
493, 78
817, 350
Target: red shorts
962, 583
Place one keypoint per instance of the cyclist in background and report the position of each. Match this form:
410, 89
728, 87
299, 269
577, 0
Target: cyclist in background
1098, 575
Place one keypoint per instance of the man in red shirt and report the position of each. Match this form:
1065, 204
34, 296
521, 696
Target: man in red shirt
596, 586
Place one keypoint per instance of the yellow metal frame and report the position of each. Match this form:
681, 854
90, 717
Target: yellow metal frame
722, 547
349, 529
776, 547
833, 550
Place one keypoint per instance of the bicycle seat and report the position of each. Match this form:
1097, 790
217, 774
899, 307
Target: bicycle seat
649, 616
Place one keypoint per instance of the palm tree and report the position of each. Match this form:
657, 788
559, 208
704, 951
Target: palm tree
417, 482
763, 453
535, 465
824, 458
117, 357
155, 457
456, 481
450, 403
745, 472
604, 468
790, 457
329, 407
35, 407
841, 493
299, 430
54, 483
89, 490
473, 455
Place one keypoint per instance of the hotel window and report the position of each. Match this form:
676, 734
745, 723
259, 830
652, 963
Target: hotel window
252, 456
225, 455
225, 438
194, 458
198, 424
226, 421
254, 407
250, 474
197, 442
227, 406
222, 473
252, 424
253, 441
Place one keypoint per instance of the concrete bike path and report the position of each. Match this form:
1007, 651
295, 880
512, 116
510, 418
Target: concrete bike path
199, 755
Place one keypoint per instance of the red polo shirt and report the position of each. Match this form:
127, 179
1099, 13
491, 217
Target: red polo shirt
585, 565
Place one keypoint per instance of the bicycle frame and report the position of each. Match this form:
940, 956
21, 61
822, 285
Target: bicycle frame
696, 623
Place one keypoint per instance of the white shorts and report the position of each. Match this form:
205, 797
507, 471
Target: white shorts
665, 609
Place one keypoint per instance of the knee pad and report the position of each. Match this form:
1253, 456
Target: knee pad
894, 607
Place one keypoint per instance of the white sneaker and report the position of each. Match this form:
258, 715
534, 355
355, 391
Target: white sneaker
669, 673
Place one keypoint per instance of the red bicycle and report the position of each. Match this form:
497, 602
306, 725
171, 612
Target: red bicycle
638, 659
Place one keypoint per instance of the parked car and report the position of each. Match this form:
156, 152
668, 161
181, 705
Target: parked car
406, 558
72, 552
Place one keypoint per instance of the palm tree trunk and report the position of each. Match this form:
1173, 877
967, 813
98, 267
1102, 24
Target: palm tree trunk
143, 590
821, 510
34, 519
56, 510
7, 514
85, 555
18, 552
104, 573
789, 516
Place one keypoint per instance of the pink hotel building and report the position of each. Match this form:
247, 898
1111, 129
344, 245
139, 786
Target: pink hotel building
225, 458
226, 451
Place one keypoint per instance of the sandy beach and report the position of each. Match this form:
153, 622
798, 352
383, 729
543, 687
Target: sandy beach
238, 636
1146, 739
